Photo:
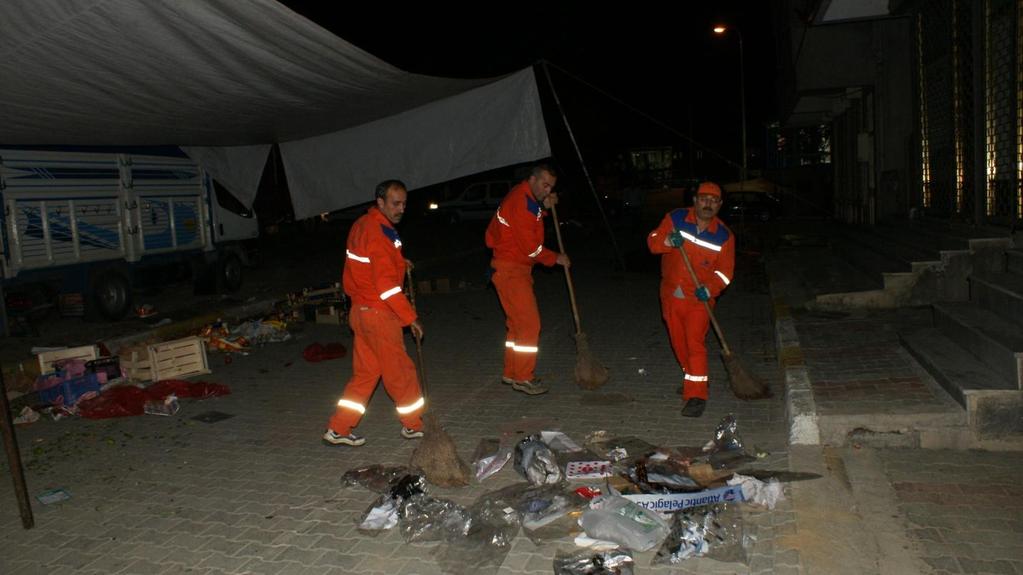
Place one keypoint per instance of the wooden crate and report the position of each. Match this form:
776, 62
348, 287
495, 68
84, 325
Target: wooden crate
48, 358
178, 358
136, 365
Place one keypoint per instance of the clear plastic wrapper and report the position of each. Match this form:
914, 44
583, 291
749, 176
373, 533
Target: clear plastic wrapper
727, 448
425, 518
495, 522
535, 461
614, 518
377, 478
613, 562
712, 531
383, 513
757, 492
550, 513
490, 457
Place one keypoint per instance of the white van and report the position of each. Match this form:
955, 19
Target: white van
478, 201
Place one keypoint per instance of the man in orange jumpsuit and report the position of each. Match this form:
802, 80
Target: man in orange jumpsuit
710, 246
373, 276
515, 234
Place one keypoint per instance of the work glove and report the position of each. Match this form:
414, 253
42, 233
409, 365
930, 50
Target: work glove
702, 293
675, 239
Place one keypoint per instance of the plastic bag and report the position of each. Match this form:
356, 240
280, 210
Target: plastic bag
490, 457
376, 478
613, 562
661, 475
383, 513
425, 518
712, 531
549, 513
536, 462
758, 492
494, 524
618, 449
614, 518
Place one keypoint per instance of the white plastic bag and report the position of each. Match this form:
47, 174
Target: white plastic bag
615, 518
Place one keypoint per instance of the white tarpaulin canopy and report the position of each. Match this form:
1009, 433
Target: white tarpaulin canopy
225, 79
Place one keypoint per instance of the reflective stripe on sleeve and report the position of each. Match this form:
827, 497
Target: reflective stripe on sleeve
501, 219
723, 277
390, 292
537, 252
352, 256
349, 404
407, 409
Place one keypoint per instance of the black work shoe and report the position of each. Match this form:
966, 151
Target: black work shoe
694, 407
531, 387
507, 380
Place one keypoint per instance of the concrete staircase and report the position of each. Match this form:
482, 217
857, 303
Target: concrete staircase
975, 351
919, 262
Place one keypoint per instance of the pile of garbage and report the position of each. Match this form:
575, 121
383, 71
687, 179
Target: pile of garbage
612, 498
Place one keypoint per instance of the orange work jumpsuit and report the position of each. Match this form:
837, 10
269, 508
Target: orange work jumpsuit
712, 254
515, 234
373, 275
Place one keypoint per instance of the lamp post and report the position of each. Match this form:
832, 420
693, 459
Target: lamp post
721, 30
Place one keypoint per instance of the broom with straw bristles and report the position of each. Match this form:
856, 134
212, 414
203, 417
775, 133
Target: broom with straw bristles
436, 455
589, 373
744, 384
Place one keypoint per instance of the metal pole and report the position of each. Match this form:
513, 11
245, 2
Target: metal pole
619, 261
742, 96
14, 457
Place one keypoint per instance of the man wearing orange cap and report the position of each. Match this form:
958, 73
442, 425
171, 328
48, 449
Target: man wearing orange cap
516, 235
373, 276
710, 246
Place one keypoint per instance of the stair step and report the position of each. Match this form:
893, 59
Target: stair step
1014, 261
954, 368
920, 238
1001, 293
990, 339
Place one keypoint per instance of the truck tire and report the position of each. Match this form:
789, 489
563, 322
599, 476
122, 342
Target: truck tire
111, 294
229, 273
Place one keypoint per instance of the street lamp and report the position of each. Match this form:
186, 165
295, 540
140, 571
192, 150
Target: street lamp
721, 30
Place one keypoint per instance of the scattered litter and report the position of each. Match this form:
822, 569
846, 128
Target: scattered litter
614, 518
213, 416
490, 456
168, 406
583, 540
558, 441
26, 416
587, 470
641, 371
611, 562
758, 492
535, 461
712, 531
52, 496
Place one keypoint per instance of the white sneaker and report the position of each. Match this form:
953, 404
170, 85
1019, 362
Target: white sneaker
410, 433
338, 439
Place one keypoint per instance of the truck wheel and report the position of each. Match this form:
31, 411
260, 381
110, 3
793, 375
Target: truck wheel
111, 295
230, 273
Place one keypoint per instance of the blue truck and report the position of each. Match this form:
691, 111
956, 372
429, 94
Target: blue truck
99, 224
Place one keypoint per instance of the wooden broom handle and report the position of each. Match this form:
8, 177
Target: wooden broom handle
710, 312
420, 367
568, 274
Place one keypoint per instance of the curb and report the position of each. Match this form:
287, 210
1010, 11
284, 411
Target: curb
800, 407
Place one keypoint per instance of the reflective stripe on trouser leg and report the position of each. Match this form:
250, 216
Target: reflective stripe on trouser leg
515, 290
687, 322
379, 351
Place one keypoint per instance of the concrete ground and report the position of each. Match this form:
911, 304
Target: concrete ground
259, 493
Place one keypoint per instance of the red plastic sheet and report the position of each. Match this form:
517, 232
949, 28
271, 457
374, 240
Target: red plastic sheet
318, 352
127, 400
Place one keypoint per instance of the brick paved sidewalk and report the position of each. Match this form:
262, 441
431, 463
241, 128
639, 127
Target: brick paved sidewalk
259, 493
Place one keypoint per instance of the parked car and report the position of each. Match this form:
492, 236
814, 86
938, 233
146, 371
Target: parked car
478, 201
750, 206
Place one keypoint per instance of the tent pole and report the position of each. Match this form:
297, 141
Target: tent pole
14, 457
619, 262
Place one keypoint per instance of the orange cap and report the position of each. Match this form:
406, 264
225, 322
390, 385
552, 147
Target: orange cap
709, 189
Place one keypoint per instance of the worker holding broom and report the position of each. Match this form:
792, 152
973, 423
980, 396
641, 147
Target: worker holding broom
373, 275
710, 247
516, 236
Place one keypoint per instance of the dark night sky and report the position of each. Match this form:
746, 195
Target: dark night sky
659, 57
